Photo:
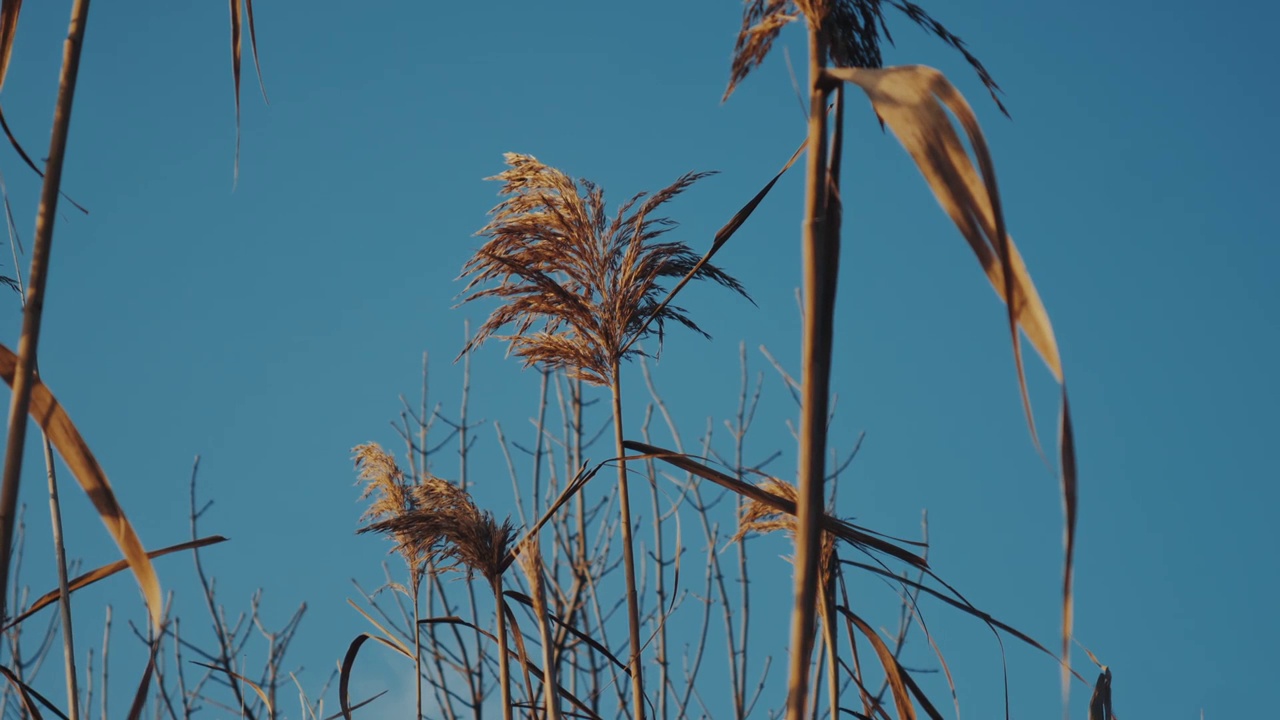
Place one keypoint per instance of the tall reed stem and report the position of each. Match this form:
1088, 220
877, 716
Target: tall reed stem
33, 309
819, 291
415, 576
504, 663
628, 551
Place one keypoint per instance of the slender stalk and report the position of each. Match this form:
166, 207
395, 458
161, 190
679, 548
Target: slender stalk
628, 550
64, 603
416, 579
660, 592
504, 663
106, 645
33, 309
819, 291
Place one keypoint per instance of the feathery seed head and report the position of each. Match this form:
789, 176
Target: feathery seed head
435, 524
852, 28
577, 285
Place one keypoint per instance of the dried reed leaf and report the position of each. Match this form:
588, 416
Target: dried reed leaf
388, 639
893, 671
961, 603
105, 571
237, 676
9, 11
722, 237
24, 693
358, 705
349, 661
573, 488
590, 641
529, 666
253, 45
911, 101
57, 426
144, 685
235, 73
1100, 702
859, 537
236, 23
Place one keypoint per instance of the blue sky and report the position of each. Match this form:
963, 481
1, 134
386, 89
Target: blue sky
271, 328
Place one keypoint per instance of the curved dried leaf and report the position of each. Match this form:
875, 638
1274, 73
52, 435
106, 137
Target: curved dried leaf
50, 416
529, 666
358, 705
266, 702
105, 571
23, 691
722, 237
237, 23
1100, 703
9, 11
390, 640
911, 100
893, 671
348, 661
144, 685
22, 153
852, 534
235, 73
590, 641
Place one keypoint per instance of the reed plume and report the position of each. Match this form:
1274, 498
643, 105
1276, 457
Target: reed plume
436, 527
578, 286
579, 289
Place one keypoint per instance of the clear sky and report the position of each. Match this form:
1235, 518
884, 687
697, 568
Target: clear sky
271, 328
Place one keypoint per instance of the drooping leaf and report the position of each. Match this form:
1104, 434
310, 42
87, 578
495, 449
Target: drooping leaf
237, 14
349, 661
266, 702
1100, 703
892, 670
852, 534
57, 426
24, 693
912, 101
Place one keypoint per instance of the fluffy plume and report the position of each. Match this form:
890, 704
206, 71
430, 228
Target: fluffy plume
577, 286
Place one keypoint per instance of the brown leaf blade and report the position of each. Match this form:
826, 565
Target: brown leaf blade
1100, 703
235, 74
266, 701
102, 572
9, 11
911, 100
893, 671
48, 413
